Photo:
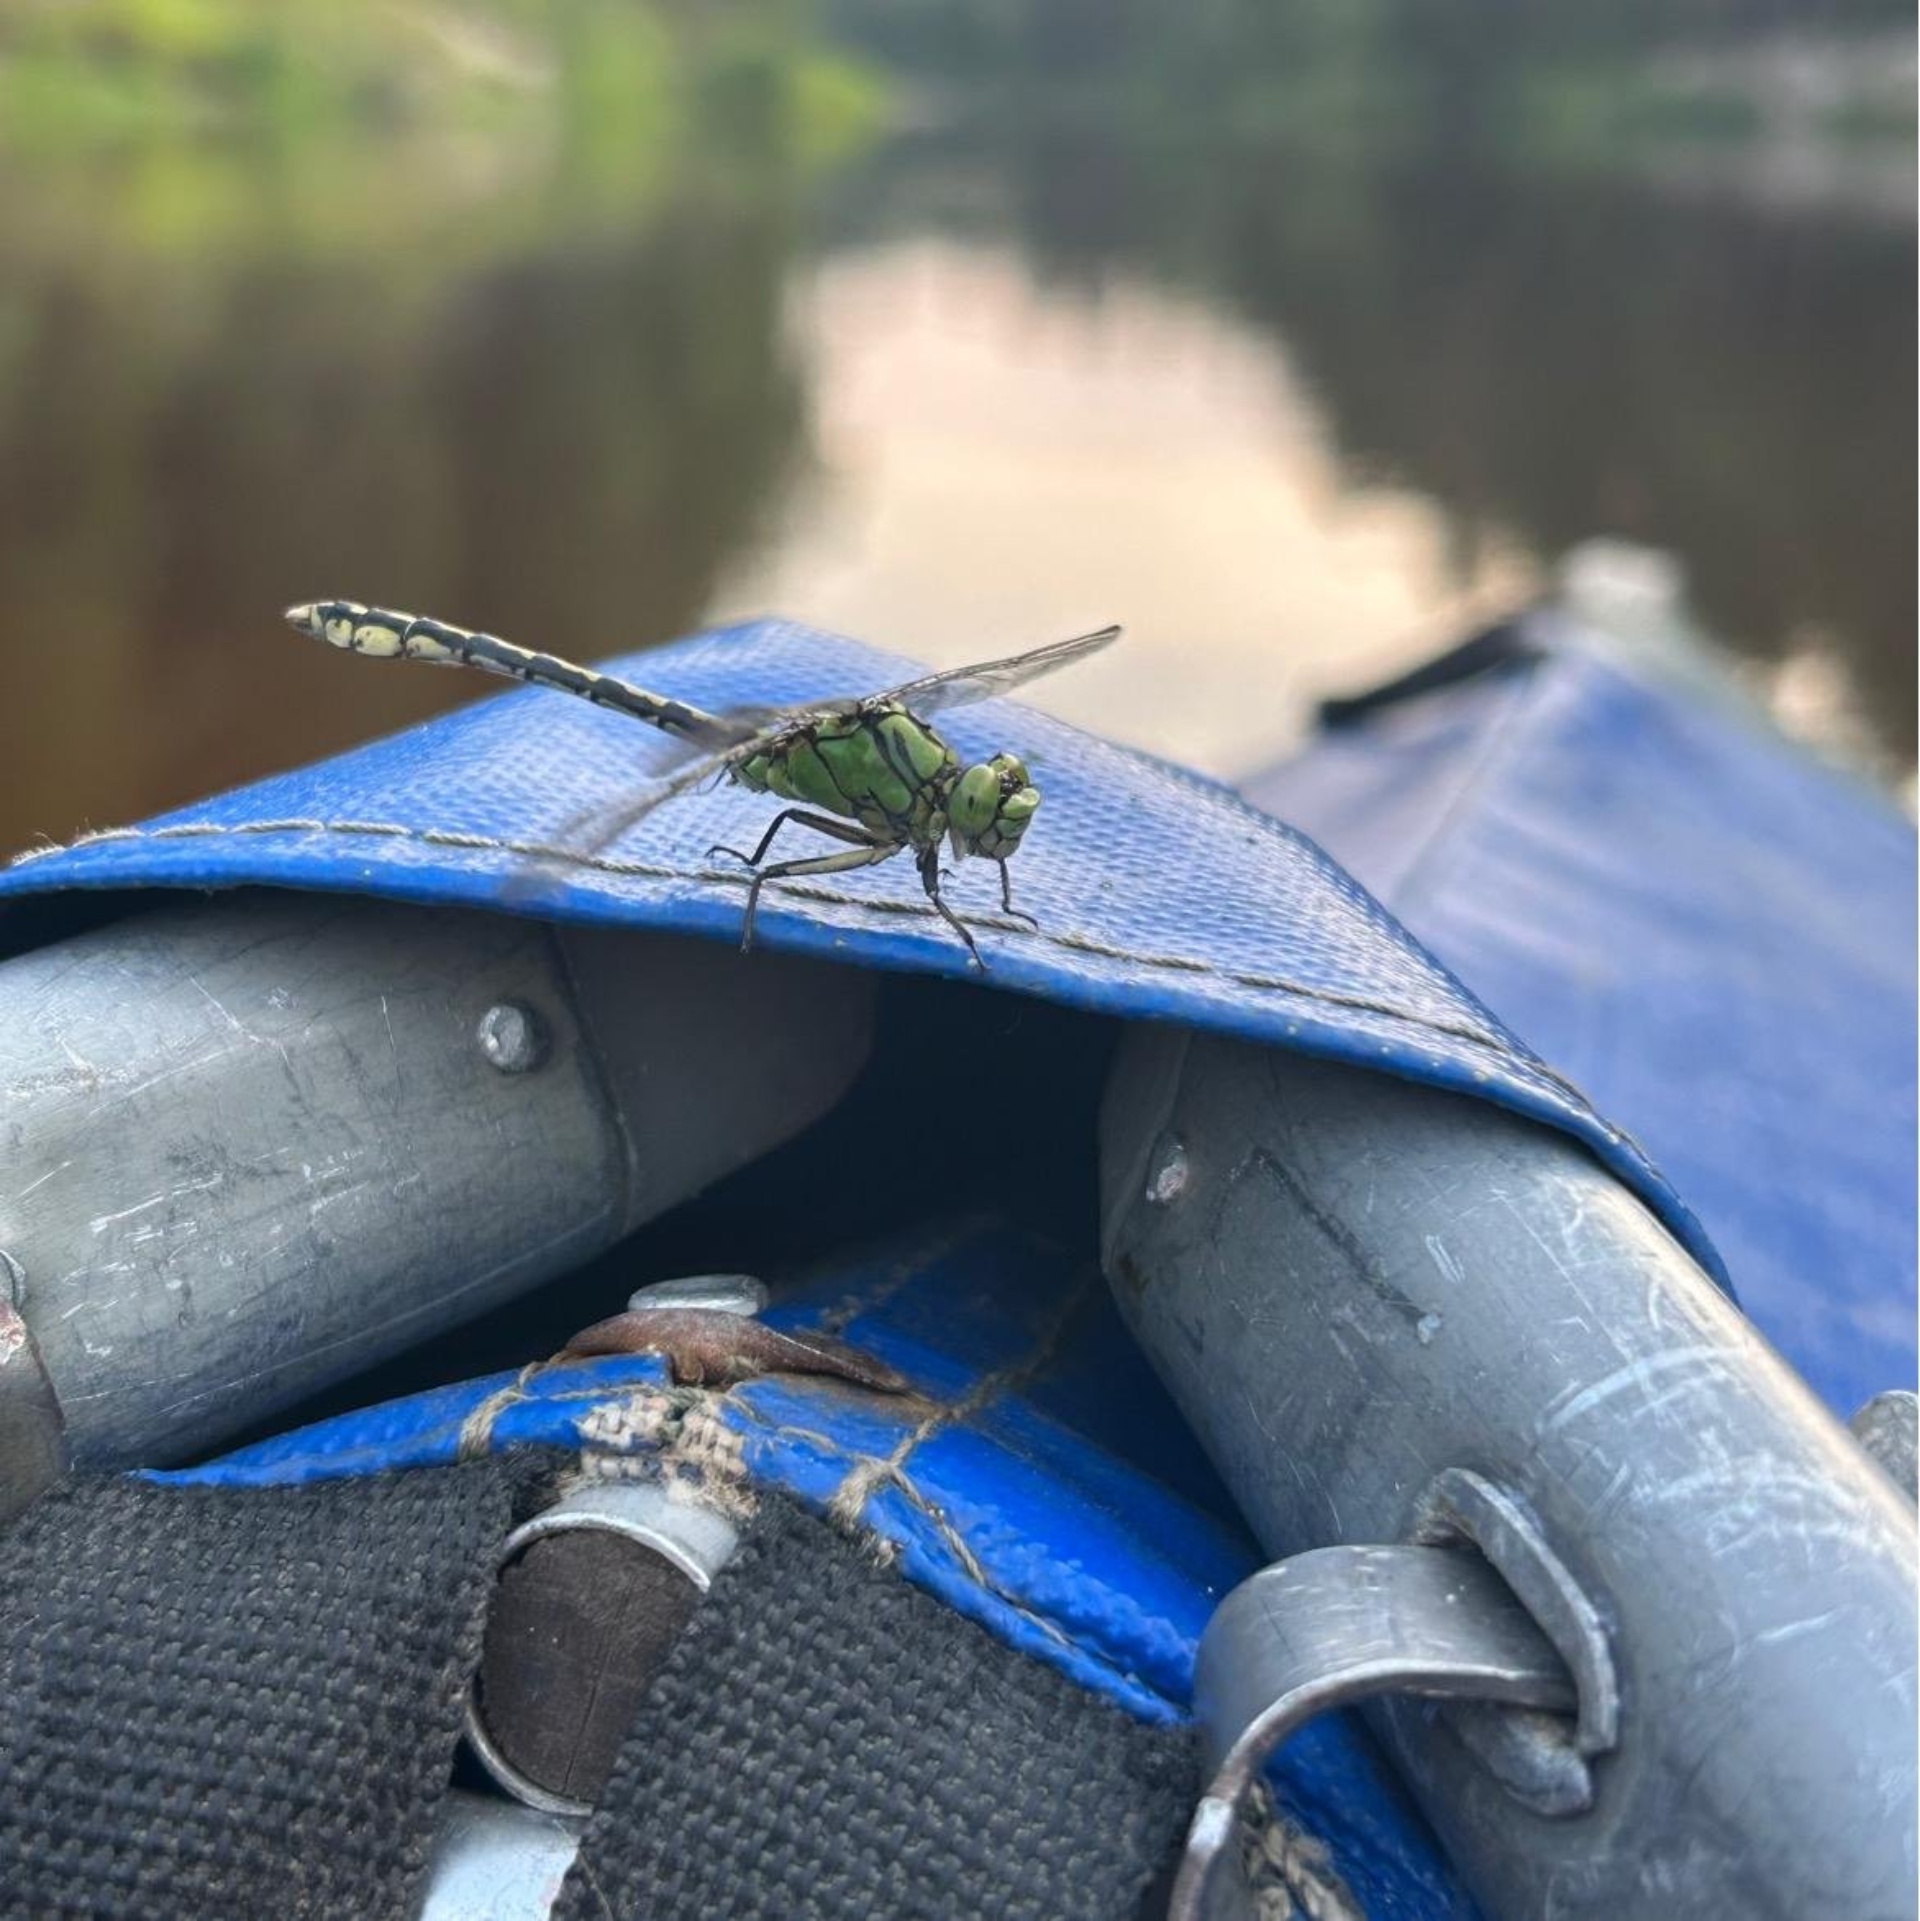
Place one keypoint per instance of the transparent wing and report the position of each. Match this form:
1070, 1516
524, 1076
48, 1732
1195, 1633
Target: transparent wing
961, 686
590, 831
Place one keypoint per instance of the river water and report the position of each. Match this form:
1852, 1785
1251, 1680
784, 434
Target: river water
1295, 423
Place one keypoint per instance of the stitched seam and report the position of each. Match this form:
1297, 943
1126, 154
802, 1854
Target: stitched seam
477, 1433
969, 1566
875, 1470
476, 1437
622, 868
857, 1302
1502, 741
970, 1570
850, 1498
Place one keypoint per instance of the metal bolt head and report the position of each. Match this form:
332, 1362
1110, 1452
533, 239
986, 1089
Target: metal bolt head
512, 1037
1888, 1427
1170, 1171
740, 1294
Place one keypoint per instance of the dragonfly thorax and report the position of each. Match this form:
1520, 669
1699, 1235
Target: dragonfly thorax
874, 763
880, 767
888, 770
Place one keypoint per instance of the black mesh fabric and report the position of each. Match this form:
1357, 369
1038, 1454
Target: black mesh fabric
826, 1740
245, 1703
236, 1702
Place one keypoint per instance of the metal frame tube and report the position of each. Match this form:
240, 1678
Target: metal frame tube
1354, 1284
254, 1145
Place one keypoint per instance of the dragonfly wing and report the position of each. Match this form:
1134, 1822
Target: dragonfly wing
987, 679
588, 832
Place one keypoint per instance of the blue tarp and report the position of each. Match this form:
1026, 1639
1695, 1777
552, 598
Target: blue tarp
1022, 1503
1696, 922
1159, 896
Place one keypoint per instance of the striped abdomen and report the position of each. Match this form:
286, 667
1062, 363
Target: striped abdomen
393, 636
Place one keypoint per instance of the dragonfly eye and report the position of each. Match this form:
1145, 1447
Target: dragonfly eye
990, 806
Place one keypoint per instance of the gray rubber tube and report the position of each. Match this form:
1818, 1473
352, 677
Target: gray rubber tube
1353, 1285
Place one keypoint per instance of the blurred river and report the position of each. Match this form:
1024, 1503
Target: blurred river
1295, 423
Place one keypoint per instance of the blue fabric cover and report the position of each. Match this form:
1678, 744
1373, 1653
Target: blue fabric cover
1159, 896
1036, 1500
1708, 931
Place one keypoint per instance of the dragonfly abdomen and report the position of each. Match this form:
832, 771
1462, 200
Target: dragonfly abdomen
382, 634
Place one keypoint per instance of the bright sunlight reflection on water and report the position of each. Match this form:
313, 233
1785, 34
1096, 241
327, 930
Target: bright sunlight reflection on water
998, 462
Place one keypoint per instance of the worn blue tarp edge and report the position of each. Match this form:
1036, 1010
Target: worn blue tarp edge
1160, 895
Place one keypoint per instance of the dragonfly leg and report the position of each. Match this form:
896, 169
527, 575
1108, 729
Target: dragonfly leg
1006, 901
930, 880
820, 823
870, 853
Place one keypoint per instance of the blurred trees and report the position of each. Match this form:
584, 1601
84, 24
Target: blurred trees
476, 309
1368, 74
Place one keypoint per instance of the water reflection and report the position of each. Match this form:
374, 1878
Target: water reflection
568, 444
1541, 358
1293, 421
1000, 461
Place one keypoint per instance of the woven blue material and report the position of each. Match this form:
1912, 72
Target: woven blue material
1159, 896
1709, 931
1029, 1504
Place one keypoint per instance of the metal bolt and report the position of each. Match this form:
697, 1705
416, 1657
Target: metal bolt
1171, 1173
512, 1036
723, 1293
1888, 1427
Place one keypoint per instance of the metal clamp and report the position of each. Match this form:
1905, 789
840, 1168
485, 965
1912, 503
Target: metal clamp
1351, 1285
1325, 1628
1541, 1759
496, 1861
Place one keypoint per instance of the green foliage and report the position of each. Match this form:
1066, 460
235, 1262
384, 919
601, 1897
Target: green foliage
1586, 114
472, 304
255, 124
1544, 78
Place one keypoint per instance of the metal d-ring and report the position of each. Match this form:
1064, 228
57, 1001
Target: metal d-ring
1462, 1507
1332, 1626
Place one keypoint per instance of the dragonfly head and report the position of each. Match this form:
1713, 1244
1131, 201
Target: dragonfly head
990, 806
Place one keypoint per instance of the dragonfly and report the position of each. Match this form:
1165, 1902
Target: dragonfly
870, 773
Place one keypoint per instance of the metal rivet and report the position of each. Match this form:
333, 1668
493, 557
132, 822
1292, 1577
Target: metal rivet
1888, 1427
512, 1037
1170, 1175
740, 1294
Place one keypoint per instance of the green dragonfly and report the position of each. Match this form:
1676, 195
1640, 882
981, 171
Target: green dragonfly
870, 773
